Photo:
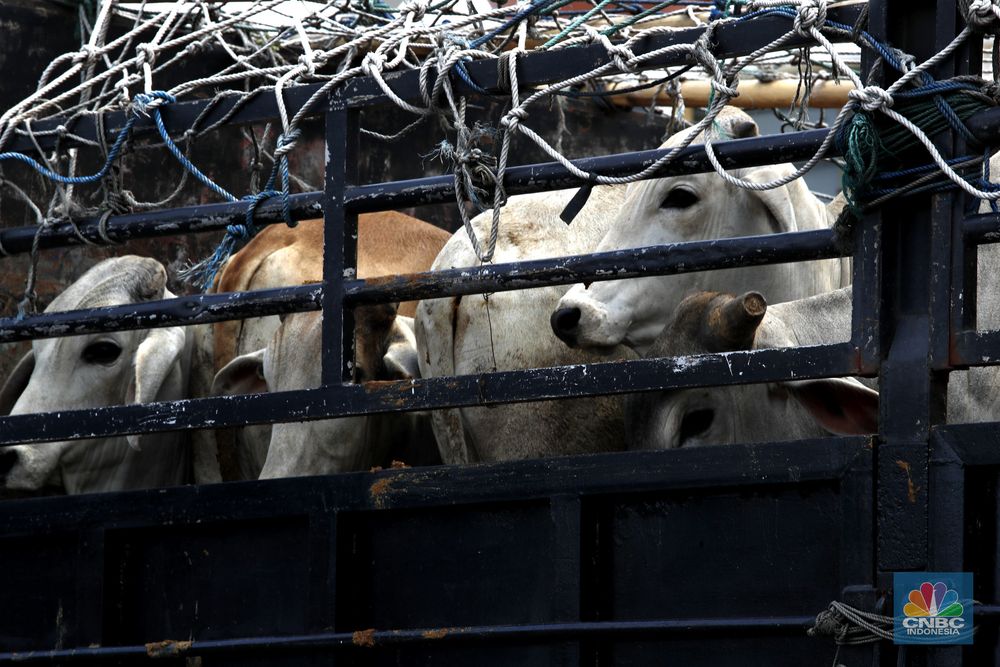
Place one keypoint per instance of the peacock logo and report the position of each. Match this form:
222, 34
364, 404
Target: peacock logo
933, 600
932, 608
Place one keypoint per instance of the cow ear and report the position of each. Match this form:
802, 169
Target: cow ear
793, 207
155, 359
842, 406
16, 382
401, 360
242, 375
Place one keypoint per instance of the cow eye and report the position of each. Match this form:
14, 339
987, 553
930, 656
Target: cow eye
679, 197
695, 423
102, 352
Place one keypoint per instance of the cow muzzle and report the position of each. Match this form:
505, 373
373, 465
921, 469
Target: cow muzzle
8, 459
565, 323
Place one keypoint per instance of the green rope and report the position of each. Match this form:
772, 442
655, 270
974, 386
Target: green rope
636, 18
871, 148
861, 158
576, 22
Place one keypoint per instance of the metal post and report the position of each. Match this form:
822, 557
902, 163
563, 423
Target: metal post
340, 241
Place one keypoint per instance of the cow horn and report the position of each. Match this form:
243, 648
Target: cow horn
733, 324
136, 278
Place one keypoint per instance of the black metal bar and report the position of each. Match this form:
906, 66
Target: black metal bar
370, 639
596, 477
730, 40
560, 382
340, 246
199, 309
982, 229
907, 405
415, 192
655, 260
975, 348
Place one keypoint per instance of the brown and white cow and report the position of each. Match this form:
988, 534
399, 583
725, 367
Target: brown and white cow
266, 353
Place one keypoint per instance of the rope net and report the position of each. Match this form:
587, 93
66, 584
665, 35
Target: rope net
131, 52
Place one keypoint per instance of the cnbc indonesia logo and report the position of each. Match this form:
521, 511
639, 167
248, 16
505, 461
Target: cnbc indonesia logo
932, 610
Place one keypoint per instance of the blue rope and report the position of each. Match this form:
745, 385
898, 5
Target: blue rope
78, 180
916, 171
536, 5
143, 100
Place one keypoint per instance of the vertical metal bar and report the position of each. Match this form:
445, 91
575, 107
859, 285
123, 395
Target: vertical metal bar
866, 334
90, 570
566, 572
340, 241
322, 570
909, 402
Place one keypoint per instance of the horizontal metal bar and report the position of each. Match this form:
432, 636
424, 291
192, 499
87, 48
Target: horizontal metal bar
368, 639
615, 475
559, 382
522, 179
650, 261
981, 229
534, 69
182, 311
975, 348
975, 444
669, 259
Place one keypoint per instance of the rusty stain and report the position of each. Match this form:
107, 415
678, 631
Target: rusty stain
398, 464
378, 491
364, 638
911, 488
375, 469
437, 634
168, 648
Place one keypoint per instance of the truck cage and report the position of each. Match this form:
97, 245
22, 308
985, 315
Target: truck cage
576, 560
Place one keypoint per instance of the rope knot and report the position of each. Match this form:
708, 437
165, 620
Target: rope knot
871, 98
85, 54
373, 63
307, 61
983, 16
238, 231
416, 7
811, 14
513, 119
146, 53
286, 143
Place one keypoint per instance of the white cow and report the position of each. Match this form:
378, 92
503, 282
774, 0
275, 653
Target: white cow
713, 322
690, 208
470, 335
797, 409
99, 370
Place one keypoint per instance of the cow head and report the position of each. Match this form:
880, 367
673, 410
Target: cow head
99, 370
713, 322
675, 210
385, 350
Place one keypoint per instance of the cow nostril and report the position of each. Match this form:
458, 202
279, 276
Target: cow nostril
564, 322
8, 458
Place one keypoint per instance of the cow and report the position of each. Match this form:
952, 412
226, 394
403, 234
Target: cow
715, 322
473, 334
799, 408
508, 330
794, 409
97, 370
272, 354
689, 208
